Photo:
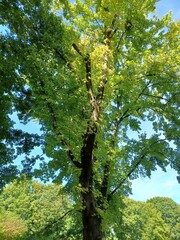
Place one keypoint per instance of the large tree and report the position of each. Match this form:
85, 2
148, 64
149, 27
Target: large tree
91, 72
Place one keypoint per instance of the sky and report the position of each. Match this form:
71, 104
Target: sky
161, 183
164, 6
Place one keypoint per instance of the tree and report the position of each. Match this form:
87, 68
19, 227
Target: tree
91, 72
140, 220
170, 211
44, 210
11, 226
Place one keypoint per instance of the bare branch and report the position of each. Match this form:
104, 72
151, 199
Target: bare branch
57, 220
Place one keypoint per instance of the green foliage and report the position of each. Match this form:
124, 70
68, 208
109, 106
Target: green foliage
49, 78
44, 209
170, 213
139, 221
11, 226
89, 72
32, 210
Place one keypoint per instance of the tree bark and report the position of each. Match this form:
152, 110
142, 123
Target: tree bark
91, 219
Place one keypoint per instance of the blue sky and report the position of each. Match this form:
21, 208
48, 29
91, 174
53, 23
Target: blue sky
161, 183
164, 6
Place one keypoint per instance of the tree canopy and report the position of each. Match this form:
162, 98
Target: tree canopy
90, 72
170, 211
141, 220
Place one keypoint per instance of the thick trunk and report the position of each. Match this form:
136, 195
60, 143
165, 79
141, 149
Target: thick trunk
90, 216
91, 219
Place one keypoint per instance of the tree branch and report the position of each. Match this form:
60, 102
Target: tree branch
77, 49
65, 60
144, 89
55, 128
153, 96
125, 178
103, 81
89, 85
104, 186
56, 221
133, 168
121, 38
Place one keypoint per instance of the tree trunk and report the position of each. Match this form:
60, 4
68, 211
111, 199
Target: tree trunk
91, 219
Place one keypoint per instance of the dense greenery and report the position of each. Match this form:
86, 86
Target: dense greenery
141, 221
12, 226
44, 209
170, 213
90, 73
32, 210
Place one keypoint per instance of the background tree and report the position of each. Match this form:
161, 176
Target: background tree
44, 209
90, 72
140, 220
11, 226
170, 211
37, 211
